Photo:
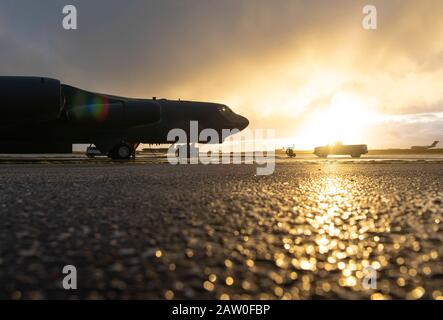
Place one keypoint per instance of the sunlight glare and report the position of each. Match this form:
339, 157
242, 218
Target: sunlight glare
345, 119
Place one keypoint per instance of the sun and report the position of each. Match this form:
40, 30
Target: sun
346, 119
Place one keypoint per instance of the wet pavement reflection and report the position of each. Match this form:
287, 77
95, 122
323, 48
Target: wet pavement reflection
309, 231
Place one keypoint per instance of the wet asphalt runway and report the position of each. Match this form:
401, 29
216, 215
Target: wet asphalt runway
149, 230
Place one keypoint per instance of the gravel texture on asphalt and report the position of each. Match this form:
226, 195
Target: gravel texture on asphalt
310, 230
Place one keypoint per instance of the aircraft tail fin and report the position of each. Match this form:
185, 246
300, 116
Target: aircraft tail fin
435, 143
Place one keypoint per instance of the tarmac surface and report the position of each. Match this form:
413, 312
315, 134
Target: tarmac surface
152, 230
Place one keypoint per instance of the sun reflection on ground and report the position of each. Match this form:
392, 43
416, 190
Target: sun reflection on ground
333, 234
323, 230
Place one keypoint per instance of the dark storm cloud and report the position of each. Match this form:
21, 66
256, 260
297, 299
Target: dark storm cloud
151, 44
131, 44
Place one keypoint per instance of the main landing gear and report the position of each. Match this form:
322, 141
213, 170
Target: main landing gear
123, 151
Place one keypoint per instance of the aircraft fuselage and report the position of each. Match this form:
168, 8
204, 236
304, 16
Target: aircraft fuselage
43, 109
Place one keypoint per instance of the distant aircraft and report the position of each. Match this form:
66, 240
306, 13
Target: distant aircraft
433, 145
42, 115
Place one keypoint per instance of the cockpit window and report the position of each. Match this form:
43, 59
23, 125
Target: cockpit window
223, 109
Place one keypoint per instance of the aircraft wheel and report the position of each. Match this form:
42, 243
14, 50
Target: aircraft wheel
122, 151
355, 155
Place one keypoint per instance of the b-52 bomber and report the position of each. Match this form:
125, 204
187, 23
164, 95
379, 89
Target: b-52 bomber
42, 115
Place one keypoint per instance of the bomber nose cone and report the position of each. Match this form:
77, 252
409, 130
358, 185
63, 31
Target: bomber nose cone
242, 122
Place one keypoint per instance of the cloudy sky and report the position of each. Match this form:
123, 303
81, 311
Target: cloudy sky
306, 68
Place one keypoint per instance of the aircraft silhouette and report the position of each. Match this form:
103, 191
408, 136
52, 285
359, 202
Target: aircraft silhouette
433, 145
42, 115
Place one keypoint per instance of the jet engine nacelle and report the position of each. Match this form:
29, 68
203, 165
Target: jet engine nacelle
29, 100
